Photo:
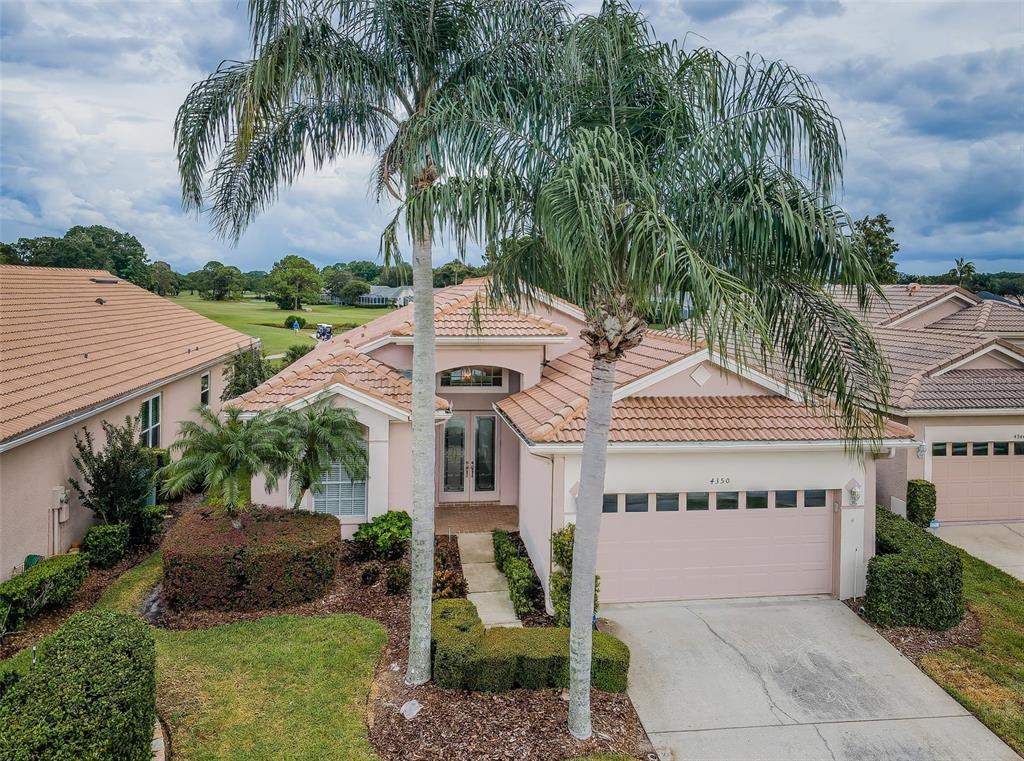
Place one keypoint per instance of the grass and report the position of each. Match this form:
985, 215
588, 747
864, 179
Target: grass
263, 320
279, 687
989, 680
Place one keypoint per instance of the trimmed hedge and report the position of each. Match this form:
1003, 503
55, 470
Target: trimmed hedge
467, 656
916, 579
561, 578
105, 544
523, 584
50, 582
90, 695
920, 502
278, 557
150, 522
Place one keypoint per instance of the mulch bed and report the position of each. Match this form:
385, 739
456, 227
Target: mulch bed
915, 643
92, 589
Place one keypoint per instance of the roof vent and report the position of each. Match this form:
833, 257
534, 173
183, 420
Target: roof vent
105, 280
913, 288
101, 302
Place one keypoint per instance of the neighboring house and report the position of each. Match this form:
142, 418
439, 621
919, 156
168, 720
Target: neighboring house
720, 483
384, 295
958, 381
79, 347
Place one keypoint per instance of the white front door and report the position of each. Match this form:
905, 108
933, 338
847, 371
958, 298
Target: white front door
469, 458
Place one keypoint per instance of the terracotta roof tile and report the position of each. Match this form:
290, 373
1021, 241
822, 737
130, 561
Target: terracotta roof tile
897, 301
986, 317
988, 388
472, 316
346, 367
63, 352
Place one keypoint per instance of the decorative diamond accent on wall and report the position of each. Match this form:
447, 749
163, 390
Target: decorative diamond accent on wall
701, 375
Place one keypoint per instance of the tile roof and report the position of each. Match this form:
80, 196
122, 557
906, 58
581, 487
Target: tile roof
986, 317
63, 352
897, 301
916, 355
643, 419
542, 409
472, 317
344, 366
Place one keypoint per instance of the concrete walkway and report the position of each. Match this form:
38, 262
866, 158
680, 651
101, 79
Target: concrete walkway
786, 679
487, 587
1001, 544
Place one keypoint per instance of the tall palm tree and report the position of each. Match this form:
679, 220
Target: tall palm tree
646, 177
333, 77
318, 436
963, 270
222, 456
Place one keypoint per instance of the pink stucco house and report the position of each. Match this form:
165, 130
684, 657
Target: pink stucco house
79, 347
958, 382
720, 483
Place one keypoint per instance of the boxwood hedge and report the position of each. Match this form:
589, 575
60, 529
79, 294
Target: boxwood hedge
90, 695
467, 656
50, 582
278, 557
920, 502
105, 544
916, 579
523, 584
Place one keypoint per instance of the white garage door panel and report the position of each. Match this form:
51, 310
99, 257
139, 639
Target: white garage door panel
979, 488
691, 555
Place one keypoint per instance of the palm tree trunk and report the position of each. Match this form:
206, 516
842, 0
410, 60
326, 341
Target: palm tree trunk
423, 369
584, 551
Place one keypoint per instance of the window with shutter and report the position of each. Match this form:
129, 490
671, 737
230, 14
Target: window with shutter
341, 496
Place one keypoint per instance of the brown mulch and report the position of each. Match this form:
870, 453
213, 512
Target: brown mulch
915, 643
92, 589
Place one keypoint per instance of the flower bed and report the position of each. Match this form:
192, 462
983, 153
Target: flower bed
276, 558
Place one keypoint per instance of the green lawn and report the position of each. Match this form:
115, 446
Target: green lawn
989, 680
263, 320
279, 687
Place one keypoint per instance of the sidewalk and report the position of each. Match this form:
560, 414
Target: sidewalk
487, 587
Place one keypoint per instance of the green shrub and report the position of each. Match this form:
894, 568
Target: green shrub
150, 523
278, 557
522, 584
561, 578
6, 624
386, 536
916, 579
466, 656
159, 456
115, 481
369, 575
396, 581
105, 545
49, 583
504, 548
920, 502
290, 320
90, 695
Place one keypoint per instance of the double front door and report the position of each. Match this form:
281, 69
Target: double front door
469, 458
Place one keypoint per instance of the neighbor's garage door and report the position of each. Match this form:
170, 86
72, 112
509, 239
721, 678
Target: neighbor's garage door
978, 480
718, 550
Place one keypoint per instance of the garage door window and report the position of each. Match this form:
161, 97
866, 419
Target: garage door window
960, 449
697, 500
939, 449
727, 500
1000, 448
785, 498
610, 503
636, 503
757, 500
979, 449
1018, 447
814, 498
666, 503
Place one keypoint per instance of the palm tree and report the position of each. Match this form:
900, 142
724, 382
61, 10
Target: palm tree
330, 78
648, 176
318, 436
963, 270
222, 456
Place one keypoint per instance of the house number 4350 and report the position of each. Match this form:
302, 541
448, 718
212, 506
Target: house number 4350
720, 481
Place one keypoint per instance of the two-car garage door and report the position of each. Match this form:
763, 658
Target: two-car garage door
742, 544
978, 480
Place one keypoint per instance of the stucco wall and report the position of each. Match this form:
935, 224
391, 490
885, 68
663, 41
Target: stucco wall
30, 473
720, 382
933, 313
536, 487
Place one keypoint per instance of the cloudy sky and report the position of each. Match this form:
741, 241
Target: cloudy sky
931, 96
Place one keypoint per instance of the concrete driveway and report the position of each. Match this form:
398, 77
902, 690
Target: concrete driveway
1000, 544
787, 679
